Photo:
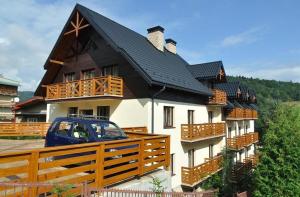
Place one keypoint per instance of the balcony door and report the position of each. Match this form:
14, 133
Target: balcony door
110, 70
210, 116
191, 158
190, 116
211, 151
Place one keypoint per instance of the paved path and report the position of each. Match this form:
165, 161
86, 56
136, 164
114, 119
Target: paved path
19, 145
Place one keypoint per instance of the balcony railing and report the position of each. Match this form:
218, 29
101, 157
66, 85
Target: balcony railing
191, 176
197, 132
94, 87
240, 113
253, 159
239, 142
219, 97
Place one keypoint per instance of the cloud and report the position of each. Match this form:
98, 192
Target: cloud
32, 27
270, 71
245, 37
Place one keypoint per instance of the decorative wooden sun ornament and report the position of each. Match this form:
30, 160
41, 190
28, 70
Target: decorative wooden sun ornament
221, 74
77, 23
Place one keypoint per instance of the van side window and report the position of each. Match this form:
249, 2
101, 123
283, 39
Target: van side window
80, 131
64, 127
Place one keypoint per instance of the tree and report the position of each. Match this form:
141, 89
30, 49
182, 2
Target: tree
278, 172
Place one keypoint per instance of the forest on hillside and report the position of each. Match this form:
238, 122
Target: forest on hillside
269, 93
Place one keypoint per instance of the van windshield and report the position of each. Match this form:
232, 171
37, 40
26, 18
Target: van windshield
107, 130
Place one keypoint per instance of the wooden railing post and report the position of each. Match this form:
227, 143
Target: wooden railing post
168, 152
100, 165
33, 169
141, 157
109, 84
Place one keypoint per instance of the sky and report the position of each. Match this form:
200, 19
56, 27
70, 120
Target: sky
255, 38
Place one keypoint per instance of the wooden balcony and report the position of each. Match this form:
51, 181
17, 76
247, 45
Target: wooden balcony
239, 142
219, 97
109, 86
8, 90
191, 176
240, 114
253, 159
199, 132
236, 113
98, 164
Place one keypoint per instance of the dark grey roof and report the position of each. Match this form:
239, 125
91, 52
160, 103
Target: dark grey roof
230, 88
253, 106
237, 104
229, 105
157, 67
208, 70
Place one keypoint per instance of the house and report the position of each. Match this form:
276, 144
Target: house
102, 69
31, 110
8, 93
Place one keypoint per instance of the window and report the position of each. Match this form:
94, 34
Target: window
168, 117
63, 128
32, 119
173, 164
240, 130
80, 131
229, 132
103, 112
211, 150
69, 77
110, 70
246, 128
88, 74
191, 157
190, 116
86, 112
210, 116
73, 112
246, 152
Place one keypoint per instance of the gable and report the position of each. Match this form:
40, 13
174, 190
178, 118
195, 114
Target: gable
156, 67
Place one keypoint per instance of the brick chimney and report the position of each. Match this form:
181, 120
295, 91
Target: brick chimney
156, 37
171, 45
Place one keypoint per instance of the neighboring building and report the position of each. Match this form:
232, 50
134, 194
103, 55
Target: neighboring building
31, 110
100, 68
8, 93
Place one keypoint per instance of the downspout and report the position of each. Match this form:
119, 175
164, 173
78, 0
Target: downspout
152, 109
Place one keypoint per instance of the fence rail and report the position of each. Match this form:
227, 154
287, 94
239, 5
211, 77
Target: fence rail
98, 86
99, 164
191, 176
193, 132
21, 189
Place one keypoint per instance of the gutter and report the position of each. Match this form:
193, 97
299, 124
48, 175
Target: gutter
152, 109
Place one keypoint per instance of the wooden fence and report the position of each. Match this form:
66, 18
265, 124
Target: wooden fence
193, 175
98, 86
192, 132
20, 189
24, 129
41, 128
98, 164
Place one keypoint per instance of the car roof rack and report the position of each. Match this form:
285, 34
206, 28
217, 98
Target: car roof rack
87, 117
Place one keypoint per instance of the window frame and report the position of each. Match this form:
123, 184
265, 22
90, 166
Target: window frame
69, 73
172, 162
82, 73
99, 114
168, 121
